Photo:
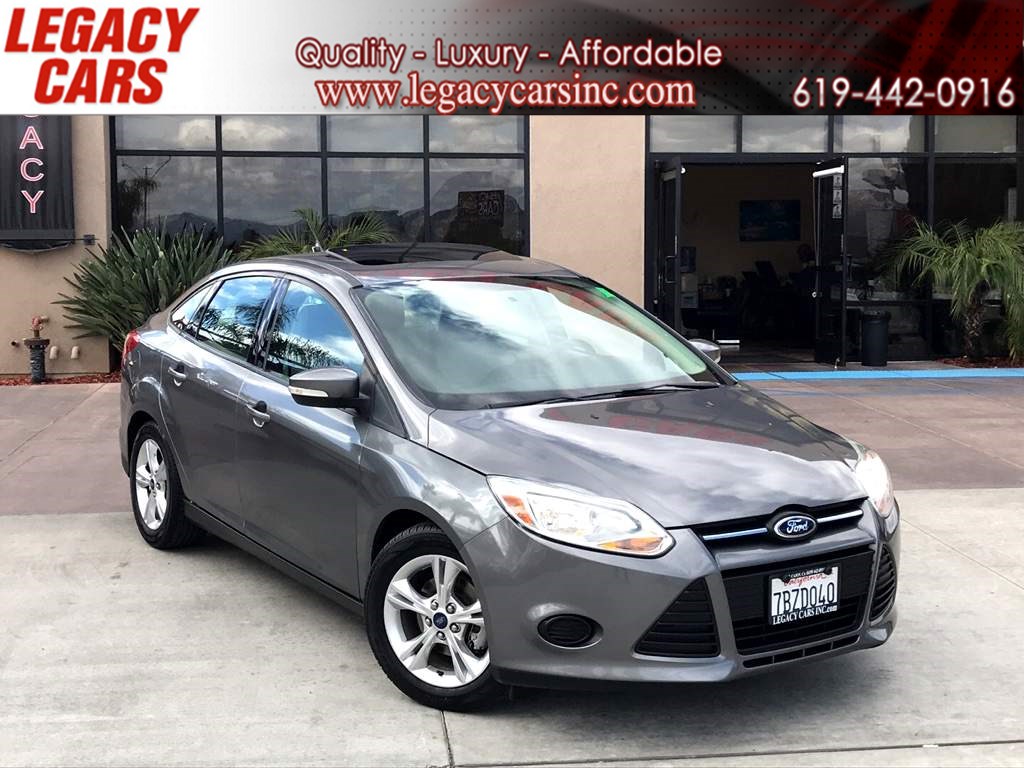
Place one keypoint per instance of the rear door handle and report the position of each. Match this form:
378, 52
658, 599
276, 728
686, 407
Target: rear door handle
258, 411
178, 373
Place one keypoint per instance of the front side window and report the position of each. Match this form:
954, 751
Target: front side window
230, 320
184, 315
476, 342
309, 332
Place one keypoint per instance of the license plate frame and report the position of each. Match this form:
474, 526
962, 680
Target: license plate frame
802, 594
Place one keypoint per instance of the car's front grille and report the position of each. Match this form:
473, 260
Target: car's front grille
885, 585
747, 530
747, 590
685, 629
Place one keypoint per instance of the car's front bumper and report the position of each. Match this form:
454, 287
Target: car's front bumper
525, 579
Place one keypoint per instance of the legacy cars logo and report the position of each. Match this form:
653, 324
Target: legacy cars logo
793, 526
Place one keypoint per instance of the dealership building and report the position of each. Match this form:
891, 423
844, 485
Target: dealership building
775, 231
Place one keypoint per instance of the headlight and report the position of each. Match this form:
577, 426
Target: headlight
874, 478
594, 522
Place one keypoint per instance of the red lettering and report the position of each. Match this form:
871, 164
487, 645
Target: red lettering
137, 42
45, 27
14, 44
148, 71
24, 169
45, 94
83, 83
178, 26
76, 34
110, 32
119, 77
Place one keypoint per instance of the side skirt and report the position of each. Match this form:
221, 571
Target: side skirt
209, 523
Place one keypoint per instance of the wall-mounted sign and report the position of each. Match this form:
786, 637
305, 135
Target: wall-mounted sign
37, 208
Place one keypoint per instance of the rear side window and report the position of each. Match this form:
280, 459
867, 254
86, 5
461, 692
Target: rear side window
184, 316
309, 332
230, 320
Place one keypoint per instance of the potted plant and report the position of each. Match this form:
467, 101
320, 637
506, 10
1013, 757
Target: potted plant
969, 264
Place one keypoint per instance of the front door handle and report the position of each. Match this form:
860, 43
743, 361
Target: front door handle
258, 412
177, 373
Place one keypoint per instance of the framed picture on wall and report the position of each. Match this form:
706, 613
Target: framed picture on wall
769, 220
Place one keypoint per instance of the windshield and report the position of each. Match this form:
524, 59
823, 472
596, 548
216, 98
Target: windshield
480, 342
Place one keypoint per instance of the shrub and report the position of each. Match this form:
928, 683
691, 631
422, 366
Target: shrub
969, 263
118, 288
313, 230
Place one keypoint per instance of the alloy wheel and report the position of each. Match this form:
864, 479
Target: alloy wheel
151, 484
434, 621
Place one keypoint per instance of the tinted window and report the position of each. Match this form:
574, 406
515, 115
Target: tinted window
230, 320
310, 333
183, 317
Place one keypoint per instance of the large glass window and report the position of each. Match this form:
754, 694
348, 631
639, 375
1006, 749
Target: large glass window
785, 133
391, 187
975, 133
976, 192
170, 192
289, 133
886, 197
230, 319
145, 132
261, 194
476, 133
478, 201
882, 133
374, 133
693, 133
309, 332
244, 176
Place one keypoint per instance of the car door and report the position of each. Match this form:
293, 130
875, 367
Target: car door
298, 465
202, 374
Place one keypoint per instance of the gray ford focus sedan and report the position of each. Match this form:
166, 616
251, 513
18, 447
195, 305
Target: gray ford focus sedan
517, 476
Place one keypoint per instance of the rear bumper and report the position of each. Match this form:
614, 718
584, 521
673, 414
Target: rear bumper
525, 580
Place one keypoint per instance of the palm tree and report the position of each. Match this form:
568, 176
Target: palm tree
314, 231
969, 263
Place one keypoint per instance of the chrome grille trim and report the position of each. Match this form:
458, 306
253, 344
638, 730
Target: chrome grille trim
734, 534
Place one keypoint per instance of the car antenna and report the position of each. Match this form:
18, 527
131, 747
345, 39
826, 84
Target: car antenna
403, 254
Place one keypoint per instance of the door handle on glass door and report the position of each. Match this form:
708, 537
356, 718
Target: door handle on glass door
258, 411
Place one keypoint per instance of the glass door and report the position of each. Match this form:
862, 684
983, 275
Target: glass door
830, 188
668, 189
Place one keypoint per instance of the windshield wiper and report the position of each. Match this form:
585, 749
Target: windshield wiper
632, 392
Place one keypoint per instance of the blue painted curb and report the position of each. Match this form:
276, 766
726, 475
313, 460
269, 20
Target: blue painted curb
938, 373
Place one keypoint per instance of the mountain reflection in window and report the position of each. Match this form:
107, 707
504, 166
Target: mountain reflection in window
310, 333
230, 320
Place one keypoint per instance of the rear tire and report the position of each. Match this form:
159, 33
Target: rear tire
157, 499
439, 631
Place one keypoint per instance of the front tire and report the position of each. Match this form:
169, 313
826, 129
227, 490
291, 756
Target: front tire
157, 499
425, 624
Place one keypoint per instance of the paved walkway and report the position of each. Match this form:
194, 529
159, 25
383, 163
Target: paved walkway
113, 653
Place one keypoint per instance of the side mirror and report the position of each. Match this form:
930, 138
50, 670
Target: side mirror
709, 348
326, 388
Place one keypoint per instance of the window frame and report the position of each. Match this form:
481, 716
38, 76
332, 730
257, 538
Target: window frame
324, 153
222, 353
278, 299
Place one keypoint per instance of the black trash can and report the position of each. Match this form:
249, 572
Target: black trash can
874, 338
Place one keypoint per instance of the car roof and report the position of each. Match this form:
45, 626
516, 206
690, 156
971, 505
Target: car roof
401, 262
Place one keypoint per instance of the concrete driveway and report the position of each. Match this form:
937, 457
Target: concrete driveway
112, 653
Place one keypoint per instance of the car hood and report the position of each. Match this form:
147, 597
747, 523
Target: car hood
685, 457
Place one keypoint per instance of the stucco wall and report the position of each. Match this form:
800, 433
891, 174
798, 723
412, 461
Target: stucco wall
31, 281
587, 196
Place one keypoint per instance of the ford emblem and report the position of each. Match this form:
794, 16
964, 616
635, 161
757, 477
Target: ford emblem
793, 526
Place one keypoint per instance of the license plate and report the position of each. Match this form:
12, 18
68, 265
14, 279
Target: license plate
804, 594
